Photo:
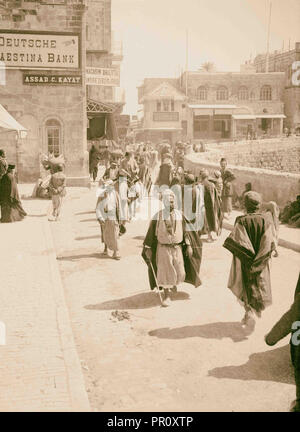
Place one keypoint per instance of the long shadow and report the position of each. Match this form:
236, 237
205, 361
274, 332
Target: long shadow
88, 237
73, 258
89, 220
273, 365
219, 330
139, 238
137, 301
34, 216
85, 213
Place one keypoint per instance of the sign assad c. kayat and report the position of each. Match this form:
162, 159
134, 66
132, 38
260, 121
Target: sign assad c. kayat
38, 50
102, 76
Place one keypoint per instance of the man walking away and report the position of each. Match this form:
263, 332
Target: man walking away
251, 243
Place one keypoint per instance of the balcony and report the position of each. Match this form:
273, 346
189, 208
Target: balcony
166, 116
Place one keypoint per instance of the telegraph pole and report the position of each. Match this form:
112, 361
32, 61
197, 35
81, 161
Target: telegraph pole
268, 39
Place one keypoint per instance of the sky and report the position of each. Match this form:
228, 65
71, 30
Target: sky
225, 32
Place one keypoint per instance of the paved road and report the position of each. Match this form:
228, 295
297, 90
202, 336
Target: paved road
39, 367
193, 356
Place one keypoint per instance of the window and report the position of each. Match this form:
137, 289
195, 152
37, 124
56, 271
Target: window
166, 105
243, 93
222, 93
53, 131
201, 93
266, 93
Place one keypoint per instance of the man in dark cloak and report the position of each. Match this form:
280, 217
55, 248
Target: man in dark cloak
11, 207
172, 252
228, 177
251, 244
289, 323
212, 203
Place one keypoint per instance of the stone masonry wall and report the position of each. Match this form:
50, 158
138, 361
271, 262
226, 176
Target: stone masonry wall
277, 155
280, 187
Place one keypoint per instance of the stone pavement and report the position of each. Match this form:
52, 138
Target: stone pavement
192, 356
39, 369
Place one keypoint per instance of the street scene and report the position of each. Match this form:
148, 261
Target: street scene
150, 208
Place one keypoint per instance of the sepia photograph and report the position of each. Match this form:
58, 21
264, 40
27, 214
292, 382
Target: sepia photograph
149, 209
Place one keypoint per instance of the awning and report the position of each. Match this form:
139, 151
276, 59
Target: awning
214, 106
215, 109
8, 122
270, 116
243, 117
162, 129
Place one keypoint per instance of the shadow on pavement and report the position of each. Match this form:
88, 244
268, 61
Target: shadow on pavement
85, 213
139, 238
232, 330
88, 220
138, 301
78, 257
88, 237
274, 365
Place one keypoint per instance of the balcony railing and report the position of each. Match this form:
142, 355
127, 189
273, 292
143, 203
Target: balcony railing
166, 116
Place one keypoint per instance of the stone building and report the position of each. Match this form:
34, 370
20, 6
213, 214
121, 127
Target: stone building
213, 105
45, 46
41, 47
228, 105
163, 109
284, 61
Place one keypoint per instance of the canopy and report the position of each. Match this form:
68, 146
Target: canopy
8, 122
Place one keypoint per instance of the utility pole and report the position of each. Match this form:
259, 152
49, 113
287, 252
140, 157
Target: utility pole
268, 39
186, 62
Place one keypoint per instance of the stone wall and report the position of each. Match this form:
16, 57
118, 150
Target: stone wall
274, 154
33, 105
274, 186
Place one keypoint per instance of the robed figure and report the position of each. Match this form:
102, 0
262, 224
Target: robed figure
251, 244
172, 252
11, 206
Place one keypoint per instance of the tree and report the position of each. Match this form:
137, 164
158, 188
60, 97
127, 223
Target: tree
208, 67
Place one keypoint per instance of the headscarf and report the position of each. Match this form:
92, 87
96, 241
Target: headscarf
252, 201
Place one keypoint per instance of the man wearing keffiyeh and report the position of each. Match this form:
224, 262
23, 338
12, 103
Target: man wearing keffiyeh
172, 252
251, 243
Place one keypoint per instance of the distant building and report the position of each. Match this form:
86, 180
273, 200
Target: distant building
213, 105
164, 109
283, 61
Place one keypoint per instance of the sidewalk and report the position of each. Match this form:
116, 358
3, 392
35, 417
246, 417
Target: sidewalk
288, 237
40, 368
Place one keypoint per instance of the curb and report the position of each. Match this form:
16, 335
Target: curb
281, 242
75, 380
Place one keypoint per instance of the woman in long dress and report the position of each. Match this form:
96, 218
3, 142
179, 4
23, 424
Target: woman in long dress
11, 206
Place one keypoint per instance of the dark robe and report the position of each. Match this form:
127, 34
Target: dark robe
11, 207
213, 211
165, 174
191, 265
284, 327
251, 243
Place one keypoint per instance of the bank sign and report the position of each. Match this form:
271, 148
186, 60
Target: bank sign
39, 50
102, 77
52, 79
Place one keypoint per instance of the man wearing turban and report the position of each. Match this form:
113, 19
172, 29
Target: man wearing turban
251, 243
169, 249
